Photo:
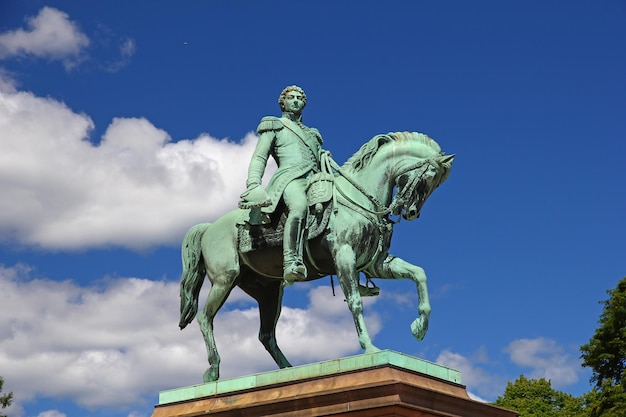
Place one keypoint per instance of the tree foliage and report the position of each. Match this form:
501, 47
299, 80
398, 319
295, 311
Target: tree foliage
606, 401
6, 399
605, 354
537, 398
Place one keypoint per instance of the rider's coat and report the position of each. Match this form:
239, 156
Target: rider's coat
296, 149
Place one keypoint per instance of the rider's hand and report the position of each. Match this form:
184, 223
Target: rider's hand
254, 196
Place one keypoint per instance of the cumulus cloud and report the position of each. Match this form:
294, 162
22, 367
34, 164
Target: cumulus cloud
117, 341
135, 188
546, 359
483, 382
7, 81
50, 34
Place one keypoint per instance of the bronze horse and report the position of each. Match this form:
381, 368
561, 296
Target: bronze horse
391, 174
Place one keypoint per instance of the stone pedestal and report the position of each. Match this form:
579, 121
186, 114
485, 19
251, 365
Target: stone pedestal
385, 383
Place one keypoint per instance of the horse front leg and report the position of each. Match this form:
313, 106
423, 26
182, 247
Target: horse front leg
345, 262
397, 268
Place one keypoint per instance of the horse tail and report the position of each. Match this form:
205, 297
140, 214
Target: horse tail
193, 274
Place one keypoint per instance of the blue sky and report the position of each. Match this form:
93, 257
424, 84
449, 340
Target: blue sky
122, 124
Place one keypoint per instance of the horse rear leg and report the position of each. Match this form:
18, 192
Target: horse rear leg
221, 287
269, 295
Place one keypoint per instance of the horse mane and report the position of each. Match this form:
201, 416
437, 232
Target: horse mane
363, 156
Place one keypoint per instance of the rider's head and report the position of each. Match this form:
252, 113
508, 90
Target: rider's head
283, 95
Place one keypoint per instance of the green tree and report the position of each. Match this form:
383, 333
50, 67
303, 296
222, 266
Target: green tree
605, 354
6, 399
537, 398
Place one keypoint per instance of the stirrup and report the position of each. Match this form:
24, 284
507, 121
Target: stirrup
367, 290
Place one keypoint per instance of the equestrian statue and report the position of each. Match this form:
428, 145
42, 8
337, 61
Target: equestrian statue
314, 219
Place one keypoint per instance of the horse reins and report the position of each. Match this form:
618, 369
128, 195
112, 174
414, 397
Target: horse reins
397, 200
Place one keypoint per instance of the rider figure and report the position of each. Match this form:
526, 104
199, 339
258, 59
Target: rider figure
296, 149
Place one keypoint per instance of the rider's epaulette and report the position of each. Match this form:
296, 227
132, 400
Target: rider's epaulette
317, 135
269, 123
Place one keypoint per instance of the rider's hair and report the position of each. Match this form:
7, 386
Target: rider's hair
281, 98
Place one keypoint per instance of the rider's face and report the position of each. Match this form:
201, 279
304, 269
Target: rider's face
294, 101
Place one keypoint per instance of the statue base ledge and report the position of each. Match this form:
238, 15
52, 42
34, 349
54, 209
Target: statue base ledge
384, 383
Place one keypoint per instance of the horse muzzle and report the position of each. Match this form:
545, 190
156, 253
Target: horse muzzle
411, 213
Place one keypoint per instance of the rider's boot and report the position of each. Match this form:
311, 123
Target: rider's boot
294, 268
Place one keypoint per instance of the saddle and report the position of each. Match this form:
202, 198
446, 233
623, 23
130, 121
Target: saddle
257, 230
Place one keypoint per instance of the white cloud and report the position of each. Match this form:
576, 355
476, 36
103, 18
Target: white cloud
51, 413
7, 81
117, 342
477, 397
471, 374
135, 188
127, 49
482, 375
547, 359
50, 34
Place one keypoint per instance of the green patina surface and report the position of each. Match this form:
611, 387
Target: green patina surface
352, 207
336, 366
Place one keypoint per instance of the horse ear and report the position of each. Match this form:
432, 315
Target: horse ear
446, 159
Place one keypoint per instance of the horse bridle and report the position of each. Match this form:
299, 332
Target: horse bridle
399, 200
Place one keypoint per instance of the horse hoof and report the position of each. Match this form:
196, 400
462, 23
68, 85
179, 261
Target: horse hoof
419, 328
211, 375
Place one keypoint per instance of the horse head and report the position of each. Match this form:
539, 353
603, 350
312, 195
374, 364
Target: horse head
416, 185
411, 162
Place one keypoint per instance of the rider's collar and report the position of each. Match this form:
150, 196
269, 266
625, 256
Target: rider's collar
292, 116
